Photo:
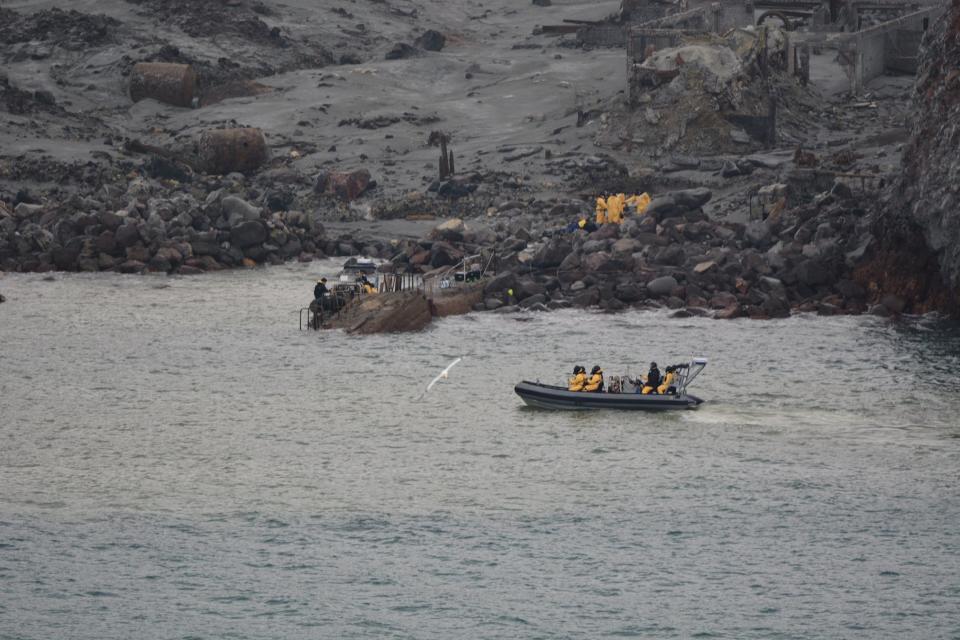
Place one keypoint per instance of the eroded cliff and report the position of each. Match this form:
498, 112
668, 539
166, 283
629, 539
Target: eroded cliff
918, 254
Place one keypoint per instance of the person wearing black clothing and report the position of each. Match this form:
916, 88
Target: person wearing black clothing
320, 290
653, 379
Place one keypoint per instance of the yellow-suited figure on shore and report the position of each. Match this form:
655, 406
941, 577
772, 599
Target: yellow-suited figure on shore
640, 202
601, 210
578, 380
615, 205
595, 383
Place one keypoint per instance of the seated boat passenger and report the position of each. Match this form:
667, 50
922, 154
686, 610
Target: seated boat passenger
368, 287
578, 380
653, 379
667, 385
595, 384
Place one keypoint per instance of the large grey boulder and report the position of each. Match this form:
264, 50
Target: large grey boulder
551, 254
501, 282
813, 272
237, 210
247, 234
662, 286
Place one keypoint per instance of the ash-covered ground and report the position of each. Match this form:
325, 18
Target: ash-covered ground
538, 126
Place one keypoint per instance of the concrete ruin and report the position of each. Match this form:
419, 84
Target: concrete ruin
871, 37
889, 47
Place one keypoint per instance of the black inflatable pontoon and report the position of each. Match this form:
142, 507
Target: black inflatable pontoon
548, 396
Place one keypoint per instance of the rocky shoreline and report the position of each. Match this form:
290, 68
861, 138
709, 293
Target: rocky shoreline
675, 257
803, 258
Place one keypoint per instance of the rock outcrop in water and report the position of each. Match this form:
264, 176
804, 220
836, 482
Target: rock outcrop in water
396, 312
918, 258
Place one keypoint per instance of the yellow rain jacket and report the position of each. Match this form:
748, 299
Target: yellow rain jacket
577, 382
595, 381
601, 211
615, 206
667, 381
640, 202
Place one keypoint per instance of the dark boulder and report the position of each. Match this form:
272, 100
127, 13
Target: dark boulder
586, 298
527, 288
531, 301
456, 188
65, 258
400, 51
629, 292
552, 254
248, 233
894, 303
431, 40
850, 289
127, 234
597, 262
444, 254
692, 198
812, 272
670, 255
131, 266
662, 286
723, 299
501, 282
111, 220
662, 207
492, 303
106, 242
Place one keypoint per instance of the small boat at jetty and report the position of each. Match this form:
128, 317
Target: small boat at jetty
358, 266
624, 395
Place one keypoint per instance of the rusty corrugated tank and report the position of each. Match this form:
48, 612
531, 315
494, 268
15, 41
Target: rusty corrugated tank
174, 84
228, 150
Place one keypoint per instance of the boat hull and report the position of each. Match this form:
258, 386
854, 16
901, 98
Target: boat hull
545, 396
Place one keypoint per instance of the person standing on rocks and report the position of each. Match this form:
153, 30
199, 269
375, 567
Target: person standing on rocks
639, 202
615, 204
320, 291
601, 210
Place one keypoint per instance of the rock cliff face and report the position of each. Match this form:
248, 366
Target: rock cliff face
919, 230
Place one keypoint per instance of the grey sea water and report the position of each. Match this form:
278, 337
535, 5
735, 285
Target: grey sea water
177, 460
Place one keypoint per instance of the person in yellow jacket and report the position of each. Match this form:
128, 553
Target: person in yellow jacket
578, 380
367, 285
601, 210
639, 202
615, 204
668, 379
595, 384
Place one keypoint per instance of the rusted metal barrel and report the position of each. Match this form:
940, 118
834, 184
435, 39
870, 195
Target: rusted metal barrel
228, 150
174, 84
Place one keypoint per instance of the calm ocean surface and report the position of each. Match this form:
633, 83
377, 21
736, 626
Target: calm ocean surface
177, 460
